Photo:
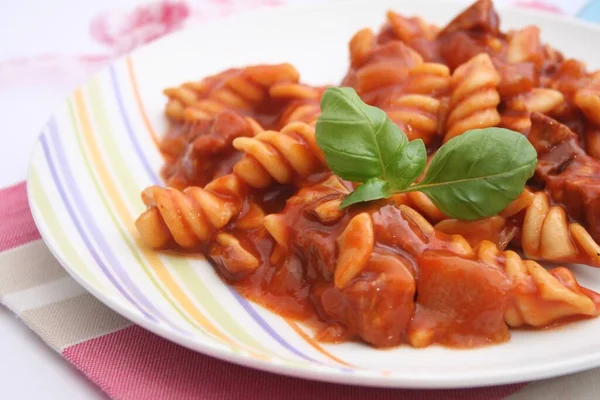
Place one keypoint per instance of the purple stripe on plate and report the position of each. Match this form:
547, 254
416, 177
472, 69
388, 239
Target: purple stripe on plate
155, 179
82, 234
129, 128
268, 328
90, 224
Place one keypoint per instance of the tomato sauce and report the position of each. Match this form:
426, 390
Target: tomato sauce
460, 302
418, 286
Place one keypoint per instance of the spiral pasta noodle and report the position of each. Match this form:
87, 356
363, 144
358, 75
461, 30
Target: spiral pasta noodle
360, 46
475, 98
568, 173
295, 91
303, 102
541, 297
416, 115
410, 29
592, 140
278, 156
239, 90
190, 217
183, 96
393, 77
427, 79
305, 110
417, 107
545, 232
516, 114
588, 99
378, 66
548, 235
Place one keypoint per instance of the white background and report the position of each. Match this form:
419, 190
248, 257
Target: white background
29, 369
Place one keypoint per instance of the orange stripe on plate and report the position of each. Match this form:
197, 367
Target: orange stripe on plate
138, 100
315, 344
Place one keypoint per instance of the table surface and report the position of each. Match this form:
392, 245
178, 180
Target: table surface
23, 353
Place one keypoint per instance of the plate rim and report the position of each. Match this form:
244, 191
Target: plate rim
322, 373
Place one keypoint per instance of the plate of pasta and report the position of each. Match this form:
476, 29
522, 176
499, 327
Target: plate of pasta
396, 194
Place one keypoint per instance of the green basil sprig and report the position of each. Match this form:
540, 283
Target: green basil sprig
473, 175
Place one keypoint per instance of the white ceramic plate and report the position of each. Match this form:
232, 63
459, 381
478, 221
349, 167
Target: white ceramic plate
97, 153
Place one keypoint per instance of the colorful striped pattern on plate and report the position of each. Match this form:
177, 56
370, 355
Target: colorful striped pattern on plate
92, 160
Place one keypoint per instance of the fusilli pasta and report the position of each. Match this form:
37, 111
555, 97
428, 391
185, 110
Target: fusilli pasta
417, 107
412, 95
588, 99
240, 90
517, 110
190, 217
567, 172
475, 98
303, 102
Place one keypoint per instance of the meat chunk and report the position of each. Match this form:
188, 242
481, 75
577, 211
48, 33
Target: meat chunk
460, 302
377, 305
570, 176
480, 17
204, 149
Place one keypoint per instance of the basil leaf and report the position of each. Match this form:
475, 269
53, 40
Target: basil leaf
472, 176
358, 140
476, 174
410, 166
372, 189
